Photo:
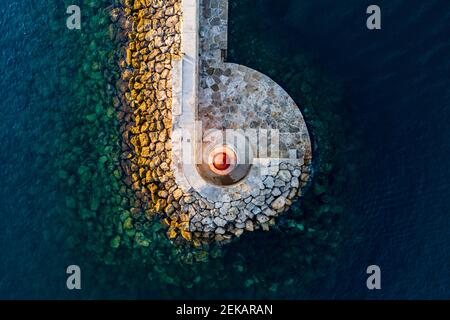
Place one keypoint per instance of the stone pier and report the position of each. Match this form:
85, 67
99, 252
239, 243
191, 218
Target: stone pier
218, 104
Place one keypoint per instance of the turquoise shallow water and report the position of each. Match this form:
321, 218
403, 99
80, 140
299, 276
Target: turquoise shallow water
378, 109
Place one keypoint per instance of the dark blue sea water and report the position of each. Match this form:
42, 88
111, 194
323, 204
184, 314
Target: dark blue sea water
396, 81
30, 99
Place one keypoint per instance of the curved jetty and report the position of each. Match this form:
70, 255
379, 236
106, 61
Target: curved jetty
216, 147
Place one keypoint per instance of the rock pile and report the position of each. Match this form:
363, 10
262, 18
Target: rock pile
152, 30
248, 211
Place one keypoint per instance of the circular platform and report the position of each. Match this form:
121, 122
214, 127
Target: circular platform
241, 148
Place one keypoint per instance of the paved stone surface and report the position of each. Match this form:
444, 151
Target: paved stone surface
225, 96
